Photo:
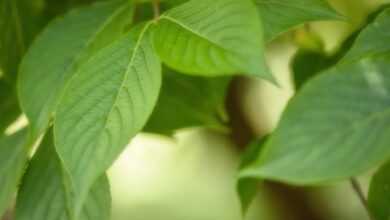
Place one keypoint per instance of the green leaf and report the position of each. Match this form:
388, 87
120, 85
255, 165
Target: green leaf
58, 52
247, 187
189, 101
107, 103
9, 107
13, 157
372, 40
44, 193
20, 21
342, 113
279, 16
379, 193
212, 38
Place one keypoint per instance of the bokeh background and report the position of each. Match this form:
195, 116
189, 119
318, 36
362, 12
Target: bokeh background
192, 174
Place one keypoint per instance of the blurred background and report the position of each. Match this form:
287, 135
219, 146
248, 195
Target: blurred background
191, 175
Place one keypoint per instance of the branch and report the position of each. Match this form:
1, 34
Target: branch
360, 194
156, 9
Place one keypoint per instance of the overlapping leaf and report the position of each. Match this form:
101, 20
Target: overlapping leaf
45, 193
379, 193
279, 16
59, 50
107, 102
188, 101
212, 38
13, 158
335, 128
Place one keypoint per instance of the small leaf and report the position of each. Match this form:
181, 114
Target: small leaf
342, 113
9, 107
106, 104
13, 157
379, 193
247, 187
212, 38
279, 16
44, 193
59, 50
373, 39
189, 101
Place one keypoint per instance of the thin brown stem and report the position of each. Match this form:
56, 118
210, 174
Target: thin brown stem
360, 194
156, 9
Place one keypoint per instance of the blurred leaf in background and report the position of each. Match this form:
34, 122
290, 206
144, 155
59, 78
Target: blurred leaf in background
189, 101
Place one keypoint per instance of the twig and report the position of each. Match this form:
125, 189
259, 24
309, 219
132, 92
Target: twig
156, 9
360, 194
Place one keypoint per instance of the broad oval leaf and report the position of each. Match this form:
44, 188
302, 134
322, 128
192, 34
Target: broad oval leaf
45, 190
212, 38
372, 40
379, 193
279, 16
107, 102
189, 101
59, 50
13, 158
336, 127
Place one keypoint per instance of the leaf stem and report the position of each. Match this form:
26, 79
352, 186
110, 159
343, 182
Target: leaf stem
156, 9
360, 194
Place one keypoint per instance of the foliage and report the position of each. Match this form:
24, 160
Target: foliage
90, 75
